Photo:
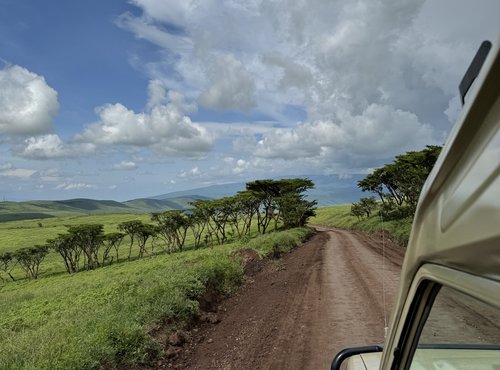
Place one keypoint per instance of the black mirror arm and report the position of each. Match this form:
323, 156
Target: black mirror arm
348, 352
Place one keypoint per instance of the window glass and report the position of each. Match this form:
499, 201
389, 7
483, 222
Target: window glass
460, 333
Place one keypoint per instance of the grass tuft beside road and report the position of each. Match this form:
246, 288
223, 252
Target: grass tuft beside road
340, 216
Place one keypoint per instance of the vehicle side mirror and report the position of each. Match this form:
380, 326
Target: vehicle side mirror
349, 352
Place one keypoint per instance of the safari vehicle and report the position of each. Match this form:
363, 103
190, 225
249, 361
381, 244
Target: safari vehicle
447, 313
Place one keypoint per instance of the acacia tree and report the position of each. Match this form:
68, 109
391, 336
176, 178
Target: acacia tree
413, 169
112, 241
399, 183
142, 234
295, 210
219, 218
233, 208
172, 228
130, 228
249, 205
241, 208
89, 238
373, 183
7, 264
216, 215
282, 200
65, 245
205, 210
197, 223
30, 259
266, 192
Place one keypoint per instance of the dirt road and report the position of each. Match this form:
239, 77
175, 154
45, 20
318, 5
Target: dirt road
299, 311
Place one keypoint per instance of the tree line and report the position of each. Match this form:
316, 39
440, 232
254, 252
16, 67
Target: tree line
397, 185
270, 204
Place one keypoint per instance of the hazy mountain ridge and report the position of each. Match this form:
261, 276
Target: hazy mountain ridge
152, 204
329, 190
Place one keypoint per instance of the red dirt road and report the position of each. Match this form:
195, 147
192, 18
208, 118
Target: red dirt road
299, 311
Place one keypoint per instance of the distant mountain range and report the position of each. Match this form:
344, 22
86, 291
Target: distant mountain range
329, 190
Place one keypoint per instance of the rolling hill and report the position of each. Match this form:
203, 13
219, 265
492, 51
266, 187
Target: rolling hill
329, 190
15, 211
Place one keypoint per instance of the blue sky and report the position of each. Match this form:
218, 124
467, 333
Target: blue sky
119, 100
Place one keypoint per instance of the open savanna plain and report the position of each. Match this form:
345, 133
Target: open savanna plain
111, 317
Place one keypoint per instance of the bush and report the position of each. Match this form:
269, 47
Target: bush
390, 211
277, 243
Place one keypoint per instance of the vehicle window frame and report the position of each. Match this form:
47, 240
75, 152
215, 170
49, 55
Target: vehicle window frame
426, 285
414, 322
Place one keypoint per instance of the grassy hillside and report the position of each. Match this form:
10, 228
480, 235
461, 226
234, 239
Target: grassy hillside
10, 211
105, 317
26, 233
40, 209
340, 216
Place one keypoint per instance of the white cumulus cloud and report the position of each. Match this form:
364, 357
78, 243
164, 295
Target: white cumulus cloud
163, 127
27, 103
356, 138
52, 147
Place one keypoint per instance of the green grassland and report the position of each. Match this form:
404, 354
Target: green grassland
106, 317
340, 216
27, 233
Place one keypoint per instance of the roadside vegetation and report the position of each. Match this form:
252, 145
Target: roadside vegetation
119, 281
396, 187
269, 204
108, 316
341, 217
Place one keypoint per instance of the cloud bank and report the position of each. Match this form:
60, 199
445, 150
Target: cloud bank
374, 77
